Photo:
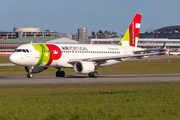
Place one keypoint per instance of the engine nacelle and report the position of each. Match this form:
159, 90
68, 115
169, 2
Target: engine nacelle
84, 67
35, 69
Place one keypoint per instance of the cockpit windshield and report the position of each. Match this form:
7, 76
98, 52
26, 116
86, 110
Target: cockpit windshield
22, 50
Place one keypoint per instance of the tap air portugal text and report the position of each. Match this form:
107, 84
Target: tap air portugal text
84, 58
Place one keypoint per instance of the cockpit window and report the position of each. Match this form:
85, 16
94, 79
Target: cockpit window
15, 50
18, 50
22, 50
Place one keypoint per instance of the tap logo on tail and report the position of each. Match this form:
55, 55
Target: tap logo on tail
131, 36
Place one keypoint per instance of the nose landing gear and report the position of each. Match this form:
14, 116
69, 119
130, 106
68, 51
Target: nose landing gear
29, 75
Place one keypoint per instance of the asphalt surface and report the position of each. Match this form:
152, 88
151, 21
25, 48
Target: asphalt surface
7, 64
71, 79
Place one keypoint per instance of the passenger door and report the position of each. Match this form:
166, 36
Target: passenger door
37, 53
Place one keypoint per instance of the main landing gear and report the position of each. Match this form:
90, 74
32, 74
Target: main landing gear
93, 74
60, 73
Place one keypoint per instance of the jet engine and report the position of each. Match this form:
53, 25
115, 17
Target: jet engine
84, 67
35, 69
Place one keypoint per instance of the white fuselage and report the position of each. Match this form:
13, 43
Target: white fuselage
59, 55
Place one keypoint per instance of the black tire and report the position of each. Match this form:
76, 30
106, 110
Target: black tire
58, 74
95, 74
62, 74
90, 75
29, 75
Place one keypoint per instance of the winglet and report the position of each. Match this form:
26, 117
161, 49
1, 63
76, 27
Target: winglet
131, 36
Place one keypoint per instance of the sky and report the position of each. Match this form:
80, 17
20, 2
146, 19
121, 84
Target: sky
66, 16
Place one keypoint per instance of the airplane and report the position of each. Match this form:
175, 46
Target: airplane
84, 58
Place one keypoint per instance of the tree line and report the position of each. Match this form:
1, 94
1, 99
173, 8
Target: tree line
105, 34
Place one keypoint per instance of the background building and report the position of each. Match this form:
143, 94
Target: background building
155, 38
7, 47
100, 41
170, 32
150, 39
25, 32
82, 33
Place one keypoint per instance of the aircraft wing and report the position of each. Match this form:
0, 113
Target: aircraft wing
162, 49
137, 54
148, 50
110, 57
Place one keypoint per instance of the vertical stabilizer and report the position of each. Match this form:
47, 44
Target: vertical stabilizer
131, 36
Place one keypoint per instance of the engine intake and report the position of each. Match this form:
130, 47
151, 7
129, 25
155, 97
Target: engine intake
84, 67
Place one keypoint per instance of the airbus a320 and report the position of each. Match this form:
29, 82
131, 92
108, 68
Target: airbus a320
84, 58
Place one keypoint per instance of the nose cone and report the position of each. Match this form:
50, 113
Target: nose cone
13, 58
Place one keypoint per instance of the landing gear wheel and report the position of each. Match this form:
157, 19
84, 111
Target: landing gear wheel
60, 74
29, 70
29, 75
90, 75
93, 74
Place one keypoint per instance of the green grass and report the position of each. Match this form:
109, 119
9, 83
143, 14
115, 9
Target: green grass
150, 101
155, 66
141, 101
4, 59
